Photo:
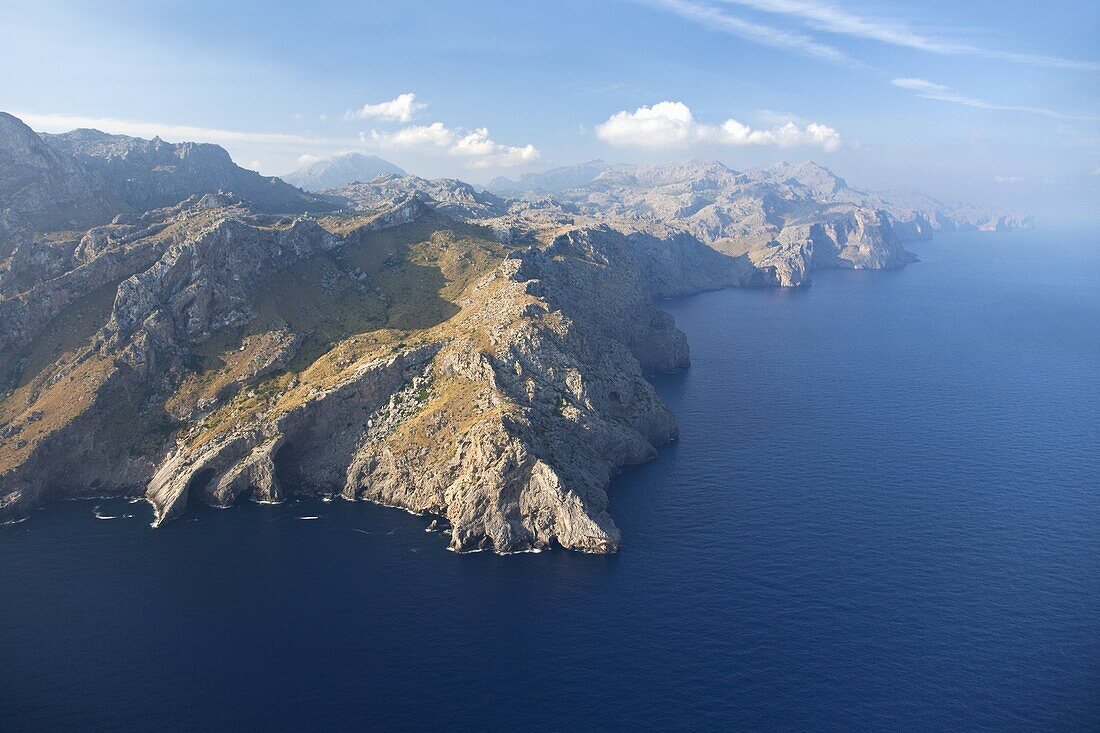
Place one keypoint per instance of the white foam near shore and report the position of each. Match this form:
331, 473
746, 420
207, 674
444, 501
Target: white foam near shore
528, 551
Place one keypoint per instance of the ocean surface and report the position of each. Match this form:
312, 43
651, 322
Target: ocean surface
883, 513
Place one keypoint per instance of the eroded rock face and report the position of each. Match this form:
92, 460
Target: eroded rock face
864, 240
786, 220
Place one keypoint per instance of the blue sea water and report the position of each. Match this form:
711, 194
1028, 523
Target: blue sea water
883, 513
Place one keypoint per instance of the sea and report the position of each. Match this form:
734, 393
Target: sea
882, 514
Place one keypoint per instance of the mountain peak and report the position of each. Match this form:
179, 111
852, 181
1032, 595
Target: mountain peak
812, 175
340, 170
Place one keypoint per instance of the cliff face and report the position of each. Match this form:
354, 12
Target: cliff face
864, 240
446, 195
204, 351
88, 387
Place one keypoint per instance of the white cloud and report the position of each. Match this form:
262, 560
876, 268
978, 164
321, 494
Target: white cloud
939, 92
306, 159
507, 156
1008, 179
716, 20
664, 125
169, 131
474, 143
401, 108
826, 17
672, 125
475, 146
419, 136
322, 118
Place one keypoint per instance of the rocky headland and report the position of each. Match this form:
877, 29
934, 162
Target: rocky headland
180, 329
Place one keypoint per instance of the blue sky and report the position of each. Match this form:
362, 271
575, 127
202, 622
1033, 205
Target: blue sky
997, 103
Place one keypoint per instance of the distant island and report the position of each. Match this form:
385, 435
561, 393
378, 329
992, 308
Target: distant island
178, 328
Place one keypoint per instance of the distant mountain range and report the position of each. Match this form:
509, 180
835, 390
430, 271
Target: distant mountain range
341, 170
554, 180
586, 180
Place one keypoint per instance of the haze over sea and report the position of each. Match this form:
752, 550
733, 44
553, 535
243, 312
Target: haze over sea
883, 513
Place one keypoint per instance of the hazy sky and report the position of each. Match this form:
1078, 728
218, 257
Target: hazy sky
991, 102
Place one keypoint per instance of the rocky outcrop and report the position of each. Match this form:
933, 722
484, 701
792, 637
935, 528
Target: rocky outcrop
203, 283
97, 417
246, 458
786, 220
508, 420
